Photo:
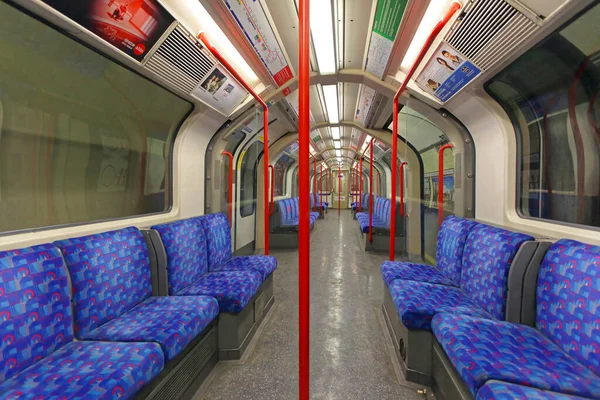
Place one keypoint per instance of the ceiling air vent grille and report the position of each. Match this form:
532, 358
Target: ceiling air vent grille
180, 60
488, 31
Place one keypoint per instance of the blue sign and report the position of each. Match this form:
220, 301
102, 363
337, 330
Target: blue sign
459, 78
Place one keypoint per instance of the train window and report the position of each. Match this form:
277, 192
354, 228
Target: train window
248, 187
551, 93
281, 167
81, 138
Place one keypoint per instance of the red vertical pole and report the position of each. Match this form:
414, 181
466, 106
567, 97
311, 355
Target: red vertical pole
339, 189
371, 191
304, 189
454, 7
440, 197
315, 184
402, 188
230, 190
321, 183
271, 201
361, 183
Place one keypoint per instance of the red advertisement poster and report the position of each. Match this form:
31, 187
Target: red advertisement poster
132, 26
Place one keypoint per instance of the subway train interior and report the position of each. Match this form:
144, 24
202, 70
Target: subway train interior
300, 199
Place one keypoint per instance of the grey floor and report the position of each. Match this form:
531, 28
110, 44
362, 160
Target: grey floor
349, 357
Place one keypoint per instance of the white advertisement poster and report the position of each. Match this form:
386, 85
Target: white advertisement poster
219, 90
446, 73
367, 95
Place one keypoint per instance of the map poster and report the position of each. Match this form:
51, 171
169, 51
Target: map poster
219, 90
132, 26
253, 21
446, 73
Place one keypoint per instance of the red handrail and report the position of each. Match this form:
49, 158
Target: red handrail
402, 188
321, 183
339, 189
304, 189
454, 7
237, 76
361, 184
315, 184
440, 198
272, 201
230, 191
370, 190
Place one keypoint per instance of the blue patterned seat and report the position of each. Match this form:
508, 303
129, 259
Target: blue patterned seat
380, 217
38, 357
392, 270
561, 354
451, 240
188, 267
110, 274
220, 258
418, 302
288, 210
483, 350
496, 390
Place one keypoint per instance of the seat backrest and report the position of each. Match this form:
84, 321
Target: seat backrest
365, 201
283, 211
487, 257
451, 240
295, 202
35, 307
110, 273
386, 212
185, 246
568, 300
218, 239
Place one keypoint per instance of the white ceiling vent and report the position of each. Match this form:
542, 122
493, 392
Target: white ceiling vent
180, 60
488, 30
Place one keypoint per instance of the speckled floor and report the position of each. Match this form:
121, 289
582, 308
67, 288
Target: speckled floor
349, 358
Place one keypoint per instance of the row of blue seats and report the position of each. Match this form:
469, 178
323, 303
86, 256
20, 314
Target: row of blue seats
462, 302
288, 210
361, 203
382, 209
79, 320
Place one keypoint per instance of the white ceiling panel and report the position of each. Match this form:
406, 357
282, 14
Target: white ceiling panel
356, 25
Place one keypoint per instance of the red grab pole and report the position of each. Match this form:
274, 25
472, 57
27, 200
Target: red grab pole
371, 190
237, 76
339, 188
315, 184
361, 184
440, 198
304, 192
321, 183
272, 200
454, 7
402, 188
230, 191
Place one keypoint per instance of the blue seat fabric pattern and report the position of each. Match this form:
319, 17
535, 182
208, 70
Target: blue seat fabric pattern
172, 322
392, 270
450, 246
418, 302
483, 350
88, 370
186, 250
496, 390
288, 208
110, 273
35, 307
220, 258
232, 289
380, 217
487, 257
568, 300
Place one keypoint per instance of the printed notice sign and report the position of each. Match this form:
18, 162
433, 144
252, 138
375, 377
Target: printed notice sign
251, 17
219, 90
131, 26
446, 73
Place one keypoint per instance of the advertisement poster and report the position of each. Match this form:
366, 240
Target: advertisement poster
132, 26
253, 21
448, 189
446, 73
219, 90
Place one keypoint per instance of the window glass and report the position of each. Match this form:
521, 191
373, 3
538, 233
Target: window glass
281, 166
81, 138
551, 93
248, 187
426, 138
233, 142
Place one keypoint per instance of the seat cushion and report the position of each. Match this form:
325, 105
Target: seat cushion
88, 370
418, 302
232, 289
392, 270
483, 350
172, 322
496, 390
264, 265
218, 238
